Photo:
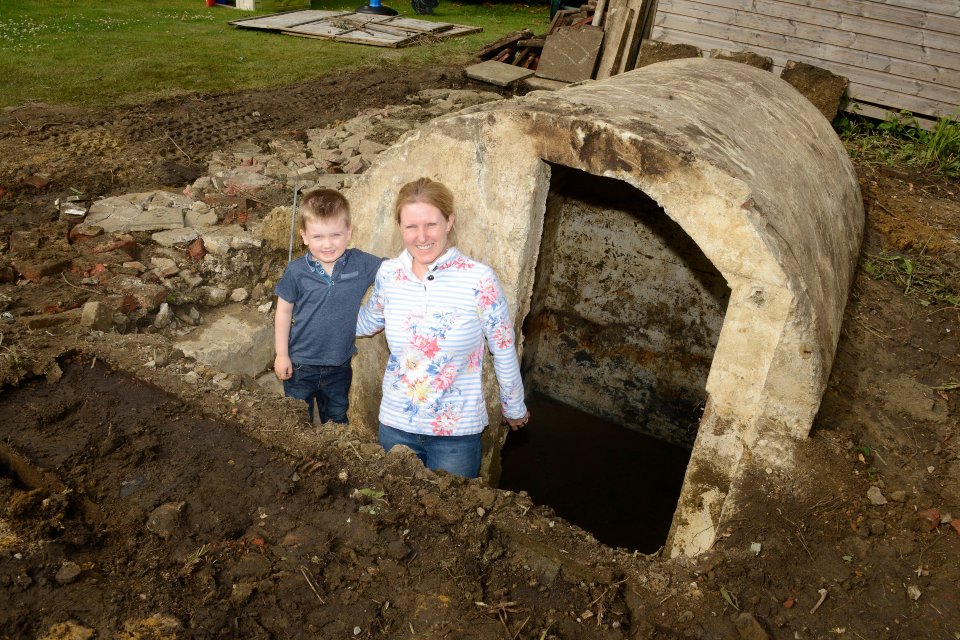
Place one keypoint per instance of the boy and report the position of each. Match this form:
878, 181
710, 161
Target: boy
317, 304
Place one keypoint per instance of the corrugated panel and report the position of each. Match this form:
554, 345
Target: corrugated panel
899, 54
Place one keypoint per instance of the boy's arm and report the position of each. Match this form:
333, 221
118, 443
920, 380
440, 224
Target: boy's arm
282, 365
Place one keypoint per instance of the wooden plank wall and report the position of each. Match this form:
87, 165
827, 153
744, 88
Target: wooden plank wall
897, 54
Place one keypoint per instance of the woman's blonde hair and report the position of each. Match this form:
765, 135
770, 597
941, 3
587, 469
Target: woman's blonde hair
426, 191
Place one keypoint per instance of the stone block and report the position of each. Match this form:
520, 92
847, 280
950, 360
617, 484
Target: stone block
194, 218
220, 240
97, 316
498, 73
175, 236
544, 84
821, 87
84, 231
330, 181
652, 52
237, 182
136, 293
368, 147
235, 339
570, 54
355, 165
48, 320
745, 57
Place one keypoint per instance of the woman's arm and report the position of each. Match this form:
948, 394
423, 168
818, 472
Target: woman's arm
498, 329
370, 319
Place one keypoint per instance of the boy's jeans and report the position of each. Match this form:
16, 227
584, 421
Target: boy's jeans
459, 455
329, 385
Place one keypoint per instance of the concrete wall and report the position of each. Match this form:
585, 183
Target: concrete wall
750, 171
626, 310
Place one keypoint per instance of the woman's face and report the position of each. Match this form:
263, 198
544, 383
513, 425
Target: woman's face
424, 231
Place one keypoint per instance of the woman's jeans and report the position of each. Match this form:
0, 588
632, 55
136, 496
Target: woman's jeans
459, 455
330, 386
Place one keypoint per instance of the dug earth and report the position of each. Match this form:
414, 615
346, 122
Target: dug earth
146, 494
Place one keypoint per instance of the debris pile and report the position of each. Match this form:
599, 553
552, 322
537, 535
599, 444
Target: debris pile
606, 37
162, 261
524, 49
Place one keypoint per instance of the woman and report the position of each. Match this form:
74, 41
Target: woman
438, 307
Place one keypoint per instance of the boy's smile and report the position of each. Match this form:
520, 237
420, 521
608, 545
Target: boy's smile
326, 240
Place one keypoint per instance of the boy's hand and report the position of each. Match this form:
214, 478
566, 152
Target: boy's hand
283, 367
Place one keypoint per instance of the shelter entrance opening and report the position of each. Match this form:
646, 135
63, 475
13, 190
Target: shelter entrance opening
624, 320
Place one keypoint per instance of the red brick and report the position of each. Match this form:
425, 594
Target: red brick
36, 180
36, 272
124, 243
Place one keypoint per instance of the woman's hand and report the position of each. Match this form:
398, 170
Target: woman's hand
516, 423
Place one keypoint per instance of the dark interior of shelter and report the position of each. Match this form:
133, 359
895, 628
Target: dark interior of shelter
623, 324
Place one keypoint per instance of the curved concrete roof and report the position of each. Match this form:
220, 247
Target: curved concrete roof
749, 169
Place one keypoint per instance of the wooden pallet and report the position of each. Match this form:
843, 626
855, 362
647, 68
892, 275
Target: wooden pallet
358, 28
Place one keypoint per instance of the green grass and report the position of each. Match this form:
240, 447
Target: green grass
921, 277
901, 141
93, 52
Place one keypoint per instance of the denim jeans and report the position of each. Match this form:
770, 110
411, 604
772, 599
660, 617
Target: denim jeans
459, 455
329, 386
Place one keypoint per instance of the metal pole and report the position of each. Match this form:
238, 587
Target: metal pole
293, 218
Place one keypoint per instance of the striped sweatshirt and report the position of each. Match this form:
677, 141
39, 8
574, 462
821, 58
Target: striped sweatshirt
436, 329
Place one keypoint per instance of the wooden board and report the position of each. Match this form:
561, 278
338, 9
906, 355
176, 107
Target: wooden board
906, 52
358, 28
805, 22
905, 19
684, 15
857, 90
286, 19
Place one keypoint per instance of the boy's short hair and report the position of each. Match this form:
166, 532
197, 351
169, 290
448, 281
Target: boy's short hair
323, 205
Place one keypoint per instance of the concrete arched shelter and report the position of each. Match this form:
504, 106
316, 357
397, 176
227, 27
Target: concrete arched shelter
744, 164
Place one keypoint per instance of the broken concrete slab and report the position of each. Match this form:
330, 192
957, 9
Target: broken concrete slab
235, 339
150, 211
198, 217
821, 87
570, 54
174, 236
544, 84
220, 240
498, 73
237, 181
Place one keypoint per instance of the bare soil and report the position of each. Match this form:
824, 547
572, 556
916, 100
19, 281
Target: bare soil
135, 505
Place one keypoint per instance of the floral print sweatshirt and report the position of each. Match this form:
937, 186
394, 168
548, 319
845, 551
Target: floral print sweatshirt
436, 329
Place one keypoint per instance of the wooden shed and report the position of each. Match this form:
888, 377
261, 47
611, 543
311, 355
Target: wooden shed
897, 54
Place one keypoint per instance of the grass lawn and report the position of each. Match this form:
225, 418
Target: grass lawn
90, 52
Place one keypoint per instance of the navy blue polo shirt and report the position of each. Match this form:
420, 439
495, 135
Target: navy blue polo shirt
325, 307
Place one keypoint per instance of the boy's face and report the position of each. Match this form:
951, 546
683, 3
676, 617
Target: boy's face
326, 240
